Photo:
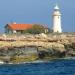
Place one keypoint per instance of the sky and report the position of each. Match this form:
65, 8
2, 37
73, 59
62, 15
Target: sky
37, 11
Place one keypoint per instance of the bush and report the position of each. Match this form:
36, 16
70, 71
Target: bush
36, 29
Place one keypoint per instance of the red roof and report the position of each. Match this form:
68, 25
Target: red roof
20, 26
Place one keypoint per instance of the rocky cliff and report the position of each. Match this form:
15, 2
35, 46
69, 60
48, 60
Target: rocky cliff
40, 45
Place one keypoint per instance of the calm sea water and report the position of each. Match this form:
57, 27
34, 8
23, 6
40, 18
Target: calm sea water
55, 67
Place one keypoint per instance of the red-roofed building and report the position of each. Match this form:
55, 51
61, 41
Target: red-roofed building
17, 28
20, 28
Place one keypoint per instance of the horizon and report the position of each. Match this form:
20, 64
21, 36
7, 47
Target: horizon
36, 12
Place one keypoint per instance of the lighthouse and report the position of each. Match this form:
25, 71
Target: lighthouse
57, 20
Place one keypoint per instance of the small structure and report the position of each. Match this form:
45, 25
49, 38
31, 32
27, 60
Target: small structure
17, 28
20, 28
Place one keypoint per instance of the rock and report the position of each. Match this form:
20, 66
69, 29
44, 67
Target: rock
61, 42
43, 35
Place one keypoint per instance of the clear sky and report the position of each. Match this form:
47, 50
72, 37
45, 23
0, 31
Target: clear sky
37, 11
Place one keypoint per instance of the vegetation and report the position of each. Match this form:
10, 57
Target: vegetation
36, 29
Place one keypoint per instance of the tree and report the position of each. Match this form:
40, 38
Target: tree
36, 29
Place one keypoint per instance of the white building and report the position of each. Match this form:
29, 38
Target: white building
57, 20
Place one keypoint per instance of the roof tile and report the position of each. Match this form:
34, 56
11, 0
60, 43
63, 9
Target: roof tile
20, 26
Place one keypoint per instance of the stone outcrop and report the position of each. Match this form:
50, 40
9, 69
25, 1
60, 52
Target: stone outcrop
51, 44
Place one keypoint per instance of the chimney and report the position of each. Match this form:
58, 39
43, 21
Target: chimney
14, 22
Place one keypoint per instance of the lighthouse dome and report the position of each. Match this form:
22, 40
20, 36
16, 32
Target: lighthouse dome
56, 7
56, 10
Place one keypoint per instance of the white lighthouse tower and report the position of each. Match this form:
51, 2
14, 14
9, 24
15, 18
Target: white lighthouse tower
57, 20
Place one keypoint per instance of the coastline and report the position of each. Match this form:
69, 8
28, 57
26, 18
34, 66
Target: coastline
38, 61
29, 48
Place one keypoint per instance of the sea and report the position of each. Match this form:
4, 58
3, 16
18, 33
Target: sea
53, 67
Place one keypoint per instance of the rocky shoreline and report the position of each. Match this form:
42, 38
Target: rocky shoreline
21, 48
